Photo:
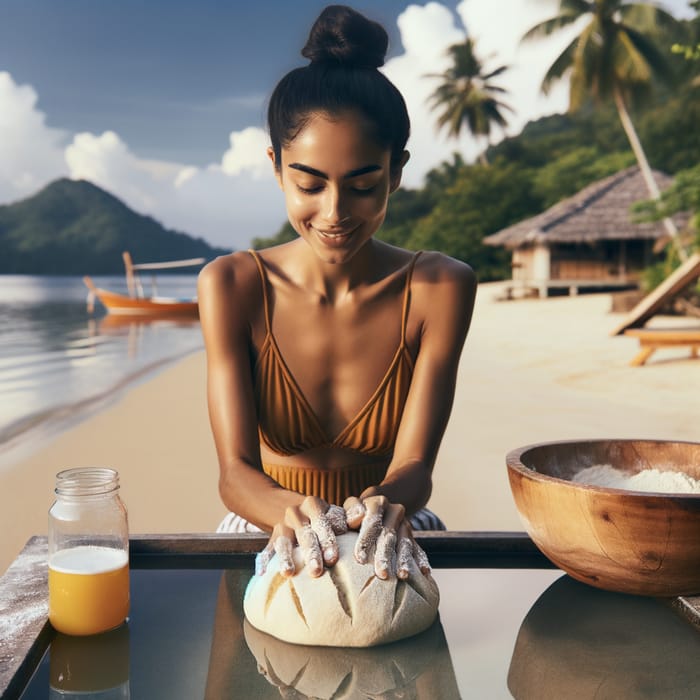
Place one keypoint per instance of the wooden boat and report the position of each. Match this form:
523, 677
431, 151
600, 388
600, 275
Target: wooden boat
137, 302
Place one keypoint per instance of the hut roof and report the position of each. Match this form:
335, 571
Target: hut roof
600, 211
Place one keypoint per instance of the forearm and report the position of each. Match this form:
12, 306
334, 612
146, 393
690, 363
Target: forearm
254, 496
409, 484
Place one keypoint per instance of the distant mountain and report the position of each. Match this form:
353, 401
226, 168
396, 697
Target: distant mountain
73, 227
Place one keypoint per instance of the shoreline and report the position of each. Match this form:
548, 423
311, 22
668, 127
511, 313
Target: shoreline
22, 438
162, 421
533, 370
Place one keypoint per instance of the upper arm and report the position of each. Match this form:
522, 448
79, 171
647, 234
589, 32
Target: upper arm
443, 291
225, 320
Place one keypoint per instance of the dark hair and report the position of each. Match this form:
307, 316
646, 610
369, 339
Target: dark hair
345, 49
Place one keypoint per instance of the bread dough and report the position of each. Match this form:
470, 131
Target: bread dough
346, 606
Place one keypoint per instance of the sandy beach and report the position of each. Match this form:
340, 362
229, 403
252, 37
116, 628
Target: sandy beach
533, 370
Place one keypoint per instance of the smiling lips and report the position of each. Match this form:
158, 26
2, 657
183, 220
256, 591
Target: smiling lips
334, 235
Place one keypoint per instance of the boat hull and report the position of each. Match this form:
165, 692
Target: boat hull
122, 304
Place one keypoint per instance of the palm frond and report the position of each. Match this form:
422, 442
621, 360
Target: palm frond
495, 88
631, 66
647, 17
494, 73
656, 59
466, 97
549, 26
562, 63
576, 7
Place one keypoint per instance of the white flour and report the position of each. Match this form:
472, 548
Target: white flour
653, 480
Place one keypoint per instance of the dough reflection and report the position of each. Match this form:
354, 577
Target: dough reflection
419, 667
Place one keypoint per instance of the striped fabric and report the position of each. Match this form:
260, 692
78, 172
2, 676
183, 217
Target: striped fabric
425, 519
287, 422
332, 485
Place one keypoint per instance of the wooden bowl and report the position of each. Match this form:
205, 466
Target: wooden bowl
618, 540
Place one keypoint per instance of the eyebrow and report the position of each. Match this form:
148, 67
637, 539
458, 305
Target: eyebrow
317, 173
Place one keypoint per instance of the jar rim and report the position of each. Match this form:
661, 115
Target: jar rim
78, 481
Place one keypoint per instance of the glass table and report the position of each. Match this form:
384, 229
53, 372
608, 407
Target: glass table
509, 626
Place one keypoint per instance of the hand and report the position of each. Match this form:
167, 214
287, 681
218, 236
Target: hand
383, 527
312, 526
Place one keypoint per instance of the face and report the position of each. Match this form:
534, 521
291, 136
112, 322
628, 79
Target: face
336, 182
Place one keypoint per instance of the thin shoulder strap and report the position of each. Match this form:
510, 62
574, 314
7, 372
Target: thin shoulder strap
406, 296
263, 282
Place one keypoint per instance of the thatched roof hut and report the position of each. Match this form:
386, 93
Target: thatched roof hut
590, 239
599, 211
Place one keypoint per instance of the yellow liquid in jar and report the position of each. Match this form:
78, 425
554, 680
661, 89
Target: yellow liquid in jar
88, 589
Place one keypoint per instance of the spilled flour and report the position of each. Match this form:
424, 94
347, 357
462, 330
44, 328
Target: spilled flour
652, 480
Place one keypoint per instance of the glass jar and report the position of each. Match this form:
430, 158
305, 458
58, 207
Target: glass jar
88, 552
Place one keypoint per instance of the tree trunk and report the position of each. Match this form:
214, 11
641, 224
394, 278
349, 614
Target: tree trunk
645, 168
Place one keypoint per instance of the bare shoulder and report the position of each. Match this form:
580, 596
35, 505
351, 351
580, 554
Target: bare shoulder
225, 271
440, 273
224, 282
443, 292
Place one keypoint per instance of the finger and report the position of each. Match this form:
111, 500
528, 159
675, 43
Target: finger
326, 538
316, 510
283, 549
313, 506
310, 549
354, 511
405, 550
370, 529
404, 557
338, 520
394, 515
385, 553
421, 558
262, 559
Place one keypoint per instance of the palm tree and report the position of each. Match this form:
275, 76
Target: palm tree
467, 97
612, 58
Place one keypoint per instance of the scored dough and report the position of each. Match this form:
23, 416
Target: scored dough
346, 606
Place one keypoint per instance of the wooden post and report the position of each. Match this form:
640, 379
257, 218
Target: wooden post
129, 267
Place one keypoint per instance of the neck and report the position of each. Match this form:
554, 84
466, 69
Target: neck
334, 282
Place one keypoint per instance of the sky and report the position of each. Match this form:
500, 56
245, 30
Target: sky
162, 102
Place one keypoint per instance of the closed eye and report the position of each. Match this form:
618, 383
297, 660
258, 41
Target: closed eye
318, 188
310, 190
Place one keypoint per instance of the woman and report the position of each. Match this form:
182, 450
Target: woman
332, 359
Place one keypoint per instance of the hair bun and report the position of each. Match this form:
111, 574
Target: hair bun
342, 35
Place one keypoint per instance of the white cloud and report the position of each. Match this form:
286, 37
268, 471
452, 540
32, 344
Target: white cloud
31, 153
247, 153
227, 204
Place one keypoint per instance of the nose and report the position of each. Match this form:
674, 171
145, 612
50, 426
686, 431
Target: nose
335, 208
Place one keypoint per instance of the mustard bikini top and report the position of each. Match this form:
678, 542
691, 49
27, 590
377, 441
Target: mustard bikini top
288, 425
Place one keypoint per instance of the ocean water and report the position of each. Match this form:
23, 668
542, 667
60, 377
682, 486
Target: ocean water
60, 364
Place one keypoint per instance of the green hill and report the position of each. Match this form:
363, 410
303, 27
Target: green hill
73, 227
